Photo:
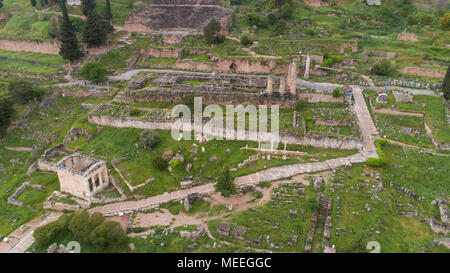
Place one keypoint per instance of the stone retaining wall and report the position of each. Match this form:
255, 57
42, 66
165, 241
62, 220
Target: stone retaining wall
323, 142
30, 46
424, 72
235, 65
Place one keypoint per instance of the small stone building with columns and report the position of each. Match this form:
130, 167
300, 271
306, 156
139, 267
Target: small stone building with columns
82, 176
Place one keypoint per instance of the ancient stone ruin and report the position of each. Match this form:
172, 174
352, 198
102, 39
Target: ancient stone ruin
235, 231
402, 97
178, 16
12, 199
82, 176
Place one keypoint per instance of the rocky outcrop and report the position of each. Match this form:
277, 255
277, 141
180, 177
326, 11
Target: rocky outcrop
178, 16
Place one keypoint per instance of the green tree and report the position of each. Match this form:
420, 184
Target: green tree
44, 235
107, 18
69, 44
23, 91
446, 84
108, 14
94, 33
149, 139
87, 6
79, 225
1, 4
95, 220
109, 234
225, 183
33, 3
6, 112
94, 72
211, 30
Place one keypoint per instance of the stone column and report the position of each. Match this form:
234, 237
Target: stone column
293, 80
308, 62
289, 76
100, 179
269, 89
282, 85
93, 183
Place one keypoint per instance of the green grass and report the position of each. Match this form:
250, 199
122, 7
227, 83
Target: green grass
32, 63
392, 127
28, 26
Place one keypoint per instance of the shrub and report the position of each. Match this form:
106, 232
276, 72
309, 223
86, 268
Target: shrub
281, 27
337, 92
149, 139
174, 163
225, 183
246, 41
160, 163
330, 60
94, 72
135, 112
444, 22
6, 113
286, 11
381, 160
446, 84
384, 68
219, 39
23, 91
301, 104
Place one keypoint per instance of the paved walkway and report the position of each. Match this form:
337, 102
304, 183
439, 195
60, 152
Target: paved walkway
20, 242
270, 174
368, 129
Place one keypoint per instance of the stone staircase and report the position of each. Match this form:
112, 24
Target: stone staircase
324, 207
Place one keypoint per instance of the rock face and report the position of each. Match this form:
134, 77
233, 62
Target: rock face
178, 16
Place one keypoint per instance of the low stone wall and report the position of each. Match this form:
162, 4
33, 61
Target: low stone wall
12, 199
408, 36
194, 234
60, 206
235, 65
30, 46
45, 166
162, 52
323, 142
424, 72
78, 93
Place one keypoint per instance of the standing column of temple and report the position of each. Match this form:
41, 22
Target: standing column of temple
308, 61
269, 89
282, 85
293, 79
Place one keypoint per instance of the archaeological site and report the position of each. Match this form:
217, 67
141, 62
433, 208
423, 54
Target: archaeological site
229, 127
